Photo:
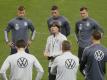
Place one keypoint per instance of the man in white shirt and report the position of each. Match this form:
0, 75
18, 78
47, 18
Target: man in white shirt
21, 64
53, 46
66, 65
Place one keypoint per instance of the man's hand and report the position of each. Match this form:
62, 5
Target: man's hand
29, 42
46, 55
10, 44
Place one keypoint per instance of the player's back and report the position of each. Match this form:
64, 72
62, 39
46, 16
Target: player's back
96, 57
67, 67
21, 66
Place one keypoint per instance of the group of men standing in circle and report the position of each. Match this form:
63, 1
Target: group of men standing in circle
63, 65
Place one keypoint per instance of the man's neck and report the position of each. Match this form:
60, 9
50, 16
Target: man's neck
55, 17
96, 42
20, 17
85, 18
64, 51
55, 34
21, 50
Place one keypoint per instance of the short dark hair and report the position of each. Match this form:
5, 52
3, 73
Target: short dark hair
83, 8
66, 45
56, 24
21, 8
21, 44
54, 7
96, 35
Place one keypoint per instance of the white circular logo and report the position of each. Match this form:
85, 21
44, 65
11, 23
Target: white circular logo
70, 63
17, 27
99, 55
88, 24
25, 24
80, 27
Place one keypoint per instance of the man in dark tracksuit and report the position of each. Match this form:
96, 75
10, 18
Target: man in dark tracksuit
63, 22
94, 59
19, 26
84, 29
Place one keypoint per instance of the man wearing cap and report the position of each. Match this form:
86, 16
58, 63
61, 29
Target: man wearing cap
53, 46
19, 26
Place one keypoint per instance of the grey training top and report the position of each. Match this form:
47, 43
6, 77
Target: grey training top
63, 22
19, 27
84, 29
93, 62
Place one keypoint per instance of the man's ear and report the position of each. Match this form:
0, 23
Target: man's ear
92, 38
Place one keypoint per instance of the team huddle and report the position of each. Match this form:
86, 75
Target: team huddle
63, 65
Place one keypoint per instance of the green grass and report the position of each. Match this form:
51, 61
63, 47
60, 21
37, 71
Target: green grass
38, 11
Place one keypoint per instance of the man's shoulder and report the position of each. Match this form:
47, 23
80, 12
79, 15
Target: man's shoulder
75, 57
30, 55
64, 18
16, 18
89, 48
72, 56
27, 20
12, 20
79, 21
49, 18
50, 36
92, 20
60, 36
22, 54
68, 55
63, 36
58, 58
101, 47
10, 57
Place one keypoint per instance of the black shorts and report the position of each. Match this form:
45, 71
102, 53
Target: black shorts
80, 52
51, 76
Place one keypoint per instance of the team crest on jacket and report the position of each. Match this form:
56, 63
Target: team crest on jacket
80, 27
70, 63
25, 24
17, 27
88, 24
22, 62
99, 55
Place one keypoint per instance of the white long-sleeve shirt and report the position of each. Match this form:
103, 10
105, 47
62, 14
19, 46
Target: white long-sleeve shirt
21, 65
65, 66
54, 43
